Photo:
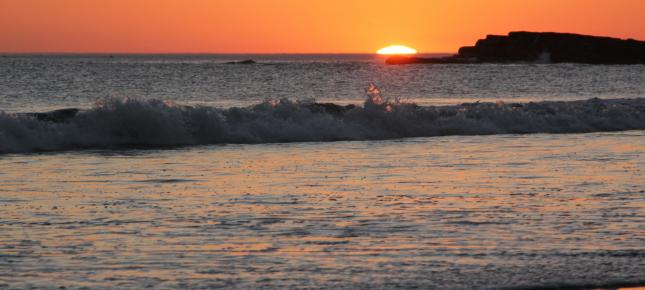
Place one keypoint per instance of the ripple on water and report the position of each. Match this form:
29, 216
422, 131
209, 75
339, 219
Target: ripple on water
431, 213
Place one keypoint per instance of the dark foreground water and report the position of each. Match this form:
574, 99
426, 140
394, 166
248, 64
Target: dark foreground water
502, 211
478, 212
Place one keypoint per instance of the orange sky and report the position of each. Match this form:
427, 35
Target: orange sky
296, 26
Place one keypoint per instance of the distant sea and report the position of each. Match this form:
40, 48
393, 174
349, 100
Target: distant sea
183, 171
43, 82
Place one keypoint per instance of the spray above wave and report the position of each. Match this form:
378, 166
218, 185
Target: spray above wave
128, 122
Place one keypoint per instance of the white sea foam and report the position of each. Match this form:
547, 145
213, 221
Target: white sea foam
128, 122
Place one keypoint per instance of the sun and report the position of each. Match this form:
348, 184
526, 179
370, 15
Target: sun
396, 49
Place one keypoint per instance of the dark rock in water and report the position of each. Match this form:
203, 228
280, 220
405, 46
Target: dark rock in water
246, 61
57, 116
543, 47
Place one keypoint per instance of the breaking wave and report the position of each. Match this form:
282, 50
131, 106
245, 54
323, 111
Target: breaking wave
128, 122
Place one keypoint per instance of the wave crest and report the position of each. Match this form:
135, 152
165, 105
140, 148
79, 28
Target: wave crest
128, 122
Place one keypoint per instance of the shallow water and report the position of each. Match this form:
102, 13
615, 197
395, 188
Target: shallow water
461, 212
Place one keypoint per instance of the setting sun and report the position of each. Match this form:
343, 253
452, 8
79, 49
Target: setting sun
396, 49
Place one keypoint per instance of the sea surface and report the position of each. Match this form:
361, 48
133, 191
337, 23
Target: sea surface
182, 171
37, 83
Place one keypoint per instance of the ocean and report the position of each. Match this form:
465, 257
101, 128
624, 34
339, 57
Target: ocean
183, 171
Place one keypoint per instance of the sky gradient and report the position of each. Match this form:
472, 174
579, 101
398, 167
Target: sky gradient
296, 26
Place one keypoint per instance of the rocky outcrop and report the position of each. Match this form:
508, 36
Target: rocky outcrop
400, 59
543, 47
246, 61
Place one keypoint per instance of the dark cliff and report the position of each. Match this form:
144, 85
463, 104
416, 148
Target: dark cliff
544, 47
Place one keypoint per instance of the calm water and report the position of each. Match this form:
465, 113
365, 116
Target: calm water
46, 82
479, 212
502, 211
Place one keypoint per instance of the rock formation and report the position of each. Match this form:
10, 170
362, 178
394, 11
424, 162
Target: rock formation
542, 47
246, 61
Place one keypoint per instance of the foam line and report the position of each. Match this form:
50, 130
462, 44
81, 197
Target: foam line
128, 122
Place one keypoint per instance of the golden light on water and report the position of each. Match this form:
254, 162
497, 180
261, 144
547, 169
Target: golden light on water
396, 49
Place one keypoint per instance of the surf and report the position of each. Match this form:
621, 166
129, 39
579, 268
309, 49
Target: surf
124, 122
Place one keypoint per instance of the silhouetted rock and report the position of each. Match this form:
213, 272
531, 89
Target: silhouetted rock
542, 47
400, 59
246, 61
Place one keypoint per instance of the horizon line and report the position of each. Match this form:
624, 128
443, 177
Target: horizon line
193, 53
